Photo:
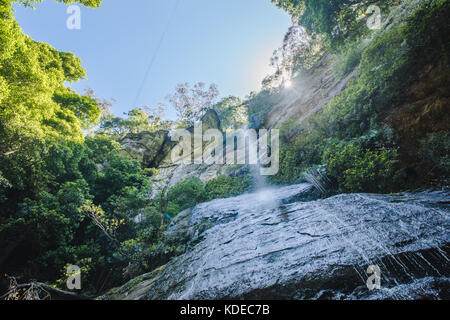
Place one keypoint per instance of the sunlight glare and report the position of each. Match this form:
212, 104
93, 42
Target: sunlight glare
288, 84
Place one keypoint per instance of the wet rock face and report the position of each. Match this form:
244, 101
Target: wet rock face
271, 246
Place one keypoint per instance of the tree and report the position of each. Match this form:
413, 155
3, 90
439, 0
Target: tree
192, 102
86, 3
35, 104
50, 173
137, 121
187, 194
335, 20
232, 113
58, 209
299, 52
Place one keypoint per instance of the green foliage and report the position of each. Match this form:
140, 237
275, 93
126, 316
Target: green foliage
288, 130
193, 191
118, 173
350, 135
336, 21
87, 3
100, 146
232, 113
137, 121
187, 194
50, 204
297, 153
225, 186
435, 152
426, 32
43, 108
388, 65
349, 58
357, 169
84, 107
4, 186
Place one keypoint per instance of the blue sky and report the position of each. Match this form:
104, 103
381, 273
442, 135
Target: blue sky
227, 42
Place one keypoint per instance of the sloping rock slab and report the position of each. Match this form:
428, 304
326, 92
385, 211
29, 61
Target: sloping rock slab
262, 246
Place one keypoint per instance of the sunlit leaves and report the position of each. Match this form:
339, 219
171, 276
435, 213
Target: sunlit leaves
87, 3
34, 101
233, 113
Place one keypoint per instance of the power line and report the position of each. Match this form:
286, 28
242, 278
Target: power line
155, 54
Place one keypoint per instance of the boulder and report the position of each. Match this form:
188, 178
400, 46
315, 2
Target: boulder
149, 148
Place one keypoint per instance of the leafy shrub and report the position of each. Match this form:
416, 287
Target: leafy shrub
225, 186
297, 155
288, 130
232, 113
435, 151
290, 170
119, 172
187, 194
357, 169
4, 185
349, 58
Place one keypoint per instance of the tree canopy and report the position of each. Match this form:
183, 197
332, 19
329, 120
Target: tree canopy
191, 102
34, 101
335, 20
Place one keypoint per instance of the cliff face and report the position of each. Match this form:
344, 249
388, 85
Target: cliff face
273, 245
171, 174
309, 93
425, 110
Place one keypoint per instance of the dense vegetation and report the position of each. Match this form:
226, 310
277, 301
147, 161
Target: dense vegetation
65, 198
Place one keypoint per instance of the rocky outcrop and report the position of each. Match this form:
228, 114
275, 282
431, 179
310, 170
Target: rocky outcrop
149, 148
273, 245
153, 150
171, 174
